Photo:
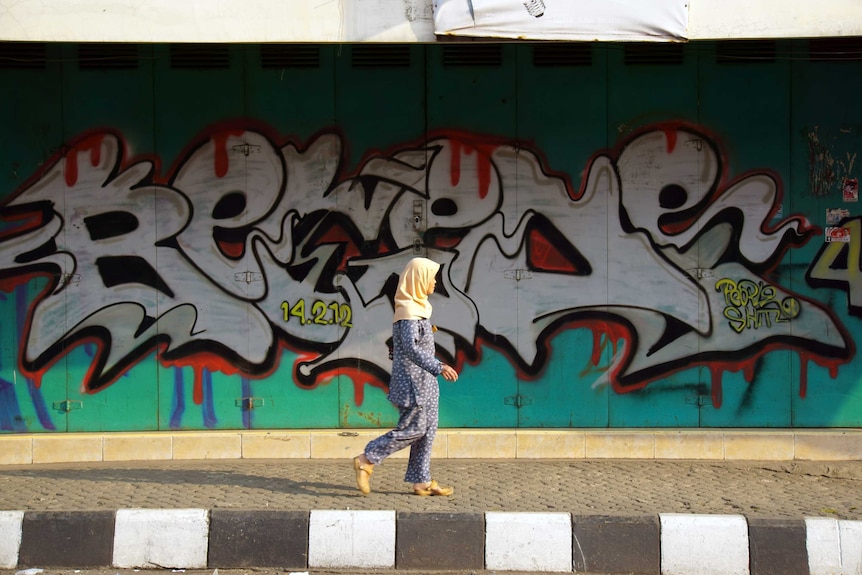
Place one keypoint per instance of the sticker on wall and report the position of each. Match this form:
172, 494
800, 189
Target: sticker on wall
851, 189
835, 215
779, 212
837, 234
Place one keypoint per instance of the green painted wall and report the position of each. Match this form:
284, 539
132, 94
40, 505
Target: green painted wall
632, 236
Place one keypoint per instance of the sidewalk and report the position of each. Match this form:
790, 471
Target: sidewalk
646, 516
582, 487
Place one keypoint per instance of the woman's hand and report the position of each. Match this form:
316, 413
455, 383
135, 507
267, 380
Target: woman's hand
449, 373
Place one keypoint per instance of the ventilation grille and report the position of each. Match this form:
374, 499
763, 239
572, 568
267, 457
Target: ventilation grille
557, 55
380, 57
200, 56
745, 51
107, 56
473, 55
289, 56
22, 55
835, 49
647, 53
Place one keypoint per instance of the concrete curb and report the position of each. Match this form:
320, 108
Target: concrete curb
666, 544
700, 444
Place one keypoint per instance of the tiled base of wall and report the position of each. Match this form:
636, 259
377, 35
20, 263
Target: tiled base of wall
666, 544
717, 444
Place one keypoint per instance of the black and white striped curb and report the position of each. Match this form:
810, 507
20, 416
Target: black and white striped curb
666, 544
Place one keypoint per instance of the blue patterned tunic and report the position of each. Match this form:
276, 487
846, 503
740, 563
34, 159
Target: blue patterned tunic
414, 366
413, 388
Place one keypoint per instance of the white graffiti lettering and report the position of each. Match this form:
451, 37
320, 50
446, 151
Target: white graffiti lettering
249, 243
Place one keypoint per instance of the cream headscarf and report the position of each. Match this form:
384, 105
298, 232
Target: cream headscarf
411, 297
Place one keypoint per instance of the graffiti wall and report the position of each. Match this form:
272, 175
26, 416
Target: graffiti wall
223, 252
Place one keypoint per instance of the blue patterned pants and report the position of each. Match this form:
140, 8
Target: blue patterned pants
417, 427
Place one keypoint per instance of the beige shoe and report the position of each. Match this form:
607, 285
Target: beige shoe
434, 489
363, 474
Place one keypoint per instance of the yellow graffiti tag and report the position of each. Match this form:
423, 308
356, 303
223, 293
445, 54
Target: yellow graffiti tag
341, 314
750, 305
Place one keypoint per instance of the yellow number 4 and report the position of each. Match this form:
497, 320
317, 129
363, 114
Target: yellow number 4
838, 265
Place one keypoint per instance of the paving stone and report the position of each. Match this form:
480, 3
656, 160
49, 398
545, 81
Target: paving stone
581, 487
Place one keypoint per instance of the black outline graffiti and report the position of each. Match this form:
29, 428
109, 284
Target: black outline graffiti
343, 235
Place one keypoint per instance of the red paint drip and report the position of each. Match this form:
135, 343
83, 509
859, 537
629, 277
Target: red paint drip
483, 164
749, 371
199, 386
804, 358
199, 362
94, 144
616, 332
222, 163
359, 379
596, 356
717, 391
71, 169
613, 332
619, 333
455, 163
718, 368
202, 360
671, 135
37, 379
484, 169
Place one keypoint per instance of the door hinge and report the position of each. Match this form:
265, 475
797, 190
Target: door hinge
518, 400
418, 212
245, 149
249, 402
418, 227
518, 275
418, 247
68, 405
700, 273
73, 279
698, 397
248, 277
695, 143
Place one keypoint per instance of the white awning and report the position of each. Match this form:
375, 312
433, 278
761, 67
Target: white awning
400, 21
587, 20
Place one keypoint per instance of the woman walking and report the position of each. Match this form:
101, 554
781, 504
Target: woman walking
413, 387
